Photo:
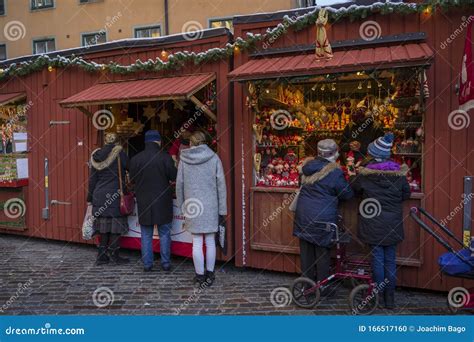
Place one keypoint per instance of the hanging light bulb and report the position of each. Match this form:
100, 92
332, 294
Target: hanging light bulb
267, 91
428, 10
369, 85
333, 87
323, 87
359, 86
164, 55
313, 88
379, 84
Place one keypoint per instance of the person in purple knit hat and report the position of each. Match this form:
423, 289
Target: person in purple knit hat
382, 184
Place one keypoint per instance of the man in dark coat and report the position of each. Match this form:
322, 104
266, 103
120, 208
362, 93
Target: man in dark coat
358, 134
323, 185
383, 186
152, 171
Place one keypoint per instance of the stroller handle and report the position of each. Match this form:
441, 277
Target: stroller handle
443, 227
444, 243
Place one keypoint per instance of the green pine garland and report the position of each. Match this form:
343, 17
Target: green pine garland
179, 59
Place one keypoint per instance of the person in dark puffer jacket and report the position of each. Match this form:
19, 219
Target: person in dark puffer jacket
383, 186
323, 186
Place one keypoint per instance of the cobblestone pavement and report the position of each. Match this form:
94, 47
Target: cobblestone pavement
45, 277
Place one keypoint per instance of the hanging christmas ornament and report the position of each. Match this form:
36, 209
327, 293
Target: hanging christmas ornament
422, 82
257, 159
164, 115
164, 55
149, 112
50, 69
258, 129
466, 91
323, 47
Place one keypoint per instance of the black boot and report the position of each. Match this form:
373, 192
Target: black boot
389, 297
116, 258
210, 277
114, 249
200, 280
102, 257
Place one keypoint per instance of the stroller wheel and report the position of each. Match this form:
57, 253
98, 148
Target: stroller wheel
301, 299
363, 300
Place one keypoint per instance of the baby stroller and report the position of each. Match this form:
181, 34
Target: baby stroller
364, 297
459, 264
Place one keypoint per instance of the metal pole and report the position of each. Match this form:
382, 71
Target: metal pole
467, 215
45, 211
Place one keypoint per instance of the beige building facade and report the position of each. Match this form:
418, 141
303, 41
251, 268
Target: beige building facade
38, 26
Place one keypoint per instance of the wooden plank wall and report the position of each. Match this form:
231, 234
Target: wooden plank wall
449, 154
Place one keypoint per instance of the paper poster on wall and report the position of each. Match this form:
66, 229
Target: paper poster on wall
178, 233
22, 168
20, 142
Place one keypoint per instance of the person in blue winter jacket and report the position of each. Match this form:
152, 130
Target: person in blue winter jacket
323, 186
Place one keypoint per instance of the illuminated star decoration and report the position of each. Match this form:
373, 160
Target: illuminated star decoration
149, 112
164, 115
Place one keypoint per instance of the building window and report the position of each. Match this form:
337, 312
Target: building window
148, 32
95, 38
2, 7
39, 4
43, 46
3, 52
306, 3
89, 1
221, 22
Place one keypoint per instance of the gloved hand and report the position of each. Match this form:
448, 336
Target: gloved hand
222, 220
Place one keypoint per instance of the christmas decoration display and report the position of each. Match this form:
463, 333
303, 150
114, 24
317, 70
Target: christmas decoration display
173, 61
323, 48
389, 100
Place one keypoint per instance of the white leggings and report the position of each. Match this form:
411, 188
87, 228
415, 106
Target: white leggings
198, 254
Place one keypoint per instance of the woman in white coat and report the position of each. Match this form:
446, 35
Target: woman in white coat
201, 195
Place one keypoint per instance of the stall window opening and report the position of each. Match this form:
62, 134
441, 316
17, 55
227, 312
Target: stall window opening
353, 109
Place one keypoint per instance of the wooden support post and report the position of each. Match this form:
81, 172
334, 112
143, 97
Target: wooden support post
203, 107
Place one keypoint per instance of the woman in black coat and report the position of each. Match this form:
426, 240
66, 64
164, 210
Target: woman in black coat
104, 196
383, 186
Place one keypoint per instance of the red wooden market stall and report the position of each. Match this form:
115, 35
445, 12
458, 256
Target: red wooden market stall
62, 114
401, 67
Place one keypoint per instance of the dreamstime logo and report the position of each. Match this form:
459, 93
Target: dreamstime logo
370, 208
102, 297
459, 119
14, 30
192, 30
192, 208
464, 24
458, 297
280, 297
370, 30
103, 119
14, 208
280, 119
